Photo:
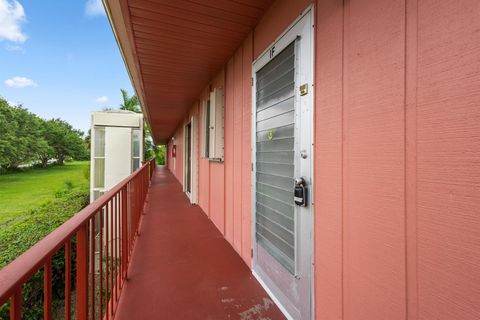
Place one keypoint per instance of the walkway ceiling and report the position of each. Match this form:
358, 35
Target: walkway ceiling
173, 48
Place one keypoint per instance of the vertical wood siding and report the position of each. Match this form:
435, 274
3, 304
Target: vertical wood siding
328, 160
448, 159
374, 176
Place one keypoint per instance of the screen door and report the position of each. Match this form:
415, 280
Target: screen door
282, 135
188, 158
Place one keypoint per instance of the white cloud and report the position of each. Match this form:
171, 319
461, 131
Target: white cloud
14, 47
20, 82
94, 8
102, 99
12, 16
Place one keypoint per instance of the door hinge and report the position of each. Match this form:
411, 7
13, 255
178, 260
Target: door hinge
252, 82
252, 166
251, 253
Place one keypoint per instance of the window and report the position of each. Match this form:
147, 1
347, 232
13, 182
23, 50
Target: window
213, 126
206, 129
135, 149
99, 157
97, 194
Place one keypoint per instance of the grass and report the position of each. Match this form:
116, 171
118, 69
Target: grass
21, 192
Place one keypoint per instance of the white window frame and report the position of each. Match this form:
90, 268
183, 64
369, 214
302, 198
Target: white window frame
215, 128
93, 174
205, 125
140, 149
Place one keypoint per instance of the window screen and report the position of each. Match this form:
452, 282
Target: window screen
99, 157
275, 141
136, 140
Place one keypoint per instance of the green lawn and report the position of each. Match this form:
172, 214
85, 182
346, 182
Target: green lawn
22, 191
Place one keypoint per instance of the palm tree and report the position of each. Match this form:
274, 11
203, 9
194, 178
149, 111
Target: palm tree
130, 103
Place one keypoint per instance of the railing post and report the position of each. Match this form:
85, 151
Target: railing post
82, 273
68, 275
100, 263
47, 290
137, 202
124, 233
144, 188
107, 257
16, 305
92, 268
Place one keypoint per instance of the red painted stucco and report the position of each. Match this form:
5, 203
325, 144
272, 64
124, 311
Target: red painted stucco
397, 149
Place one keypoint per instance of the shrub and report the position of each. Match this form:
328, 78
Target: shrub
86, 172
161, 155
23, 233
68, 184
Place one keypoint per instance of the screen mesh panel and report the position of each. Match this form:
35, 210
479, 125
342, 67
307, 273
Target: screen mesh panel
275, 143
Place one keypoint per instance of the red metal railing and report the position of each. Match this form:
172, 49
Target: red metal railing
104, 234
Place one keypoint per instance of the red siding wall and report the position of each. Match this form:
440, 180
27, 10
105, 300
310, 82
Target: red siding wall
246, 200
374, 201
448, 153
397, 169
328, 165
397, 149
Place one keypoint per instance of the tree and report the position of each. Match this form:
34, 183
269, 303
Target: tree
130, 103
65, 140
161, 154
150, 148
45, 153
26, 138
21, 140
7, 129
88, 139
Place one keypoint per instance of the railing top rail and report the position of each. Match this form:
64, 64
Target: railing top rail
27, 264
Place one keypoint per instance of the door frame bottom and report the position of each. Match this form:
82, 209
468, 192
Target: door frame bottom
272, 296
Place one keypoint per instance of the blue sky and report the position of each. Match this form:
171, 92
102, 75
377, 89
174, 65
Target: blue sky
59, 59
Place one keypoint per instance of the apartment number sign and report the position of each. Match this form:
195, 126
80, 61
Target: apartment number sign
272, 52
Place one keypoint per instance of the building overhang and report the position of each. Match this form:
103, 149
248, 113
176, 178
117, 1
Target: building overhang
172, 49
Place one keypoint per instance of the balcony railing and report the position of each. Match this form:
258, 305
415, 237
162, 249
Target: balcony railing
104, 233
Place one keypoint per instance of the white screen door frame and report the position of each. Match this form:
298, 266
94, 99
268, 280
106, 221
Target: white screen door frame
290, 286
193, 167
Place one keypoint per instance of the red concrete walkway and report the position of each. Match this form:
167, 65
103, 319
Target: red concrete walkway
183, 268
